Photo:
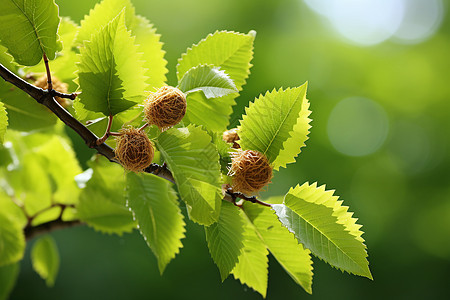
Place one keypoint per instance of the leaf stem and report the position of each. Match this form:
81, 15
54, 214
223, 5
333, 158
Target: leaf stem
107, 132
143, 127
115, 133
49, 76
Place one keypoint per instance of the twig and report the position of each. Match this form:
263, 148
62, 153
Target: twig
32, 231
234, 195
63, 95
45, 98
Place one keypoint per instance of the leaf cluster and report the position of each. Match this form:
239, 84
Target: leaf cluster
114, 59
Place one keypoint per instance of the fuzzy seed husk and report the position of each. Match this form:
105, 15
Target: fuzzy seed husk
165, 107
251, 172
231, 136
134, 150
58, 86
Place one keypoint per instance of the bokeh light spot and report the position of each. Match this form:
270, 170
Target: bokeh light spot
369, 22
357, 126
365, 22
421, 19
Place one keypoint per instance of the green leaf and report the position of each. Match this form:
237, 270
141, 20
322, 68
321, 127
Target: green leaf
194, 162
319, 228
5, 156
43, 171
10, 208
252, 267
100, 15
45, 259
67, 31
225, 239
110, 73
102, 202
21, 144
149, 44
12, 240
291, 255
3, 121
268, 124
212, 81
155, 207
24, 113
230, 51
292, 146
214, 114
47, 216
29, 29
344, 216
147, 40
69, 214
25, 180
58, 159
7, 60
275, 200
31, 184
224, 149
63, 67
8, 277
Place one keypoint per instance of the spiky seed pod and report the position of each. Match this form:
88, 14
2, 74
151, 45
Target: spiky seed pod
134, 150
231, 136
251, 171
58, 86
165, 107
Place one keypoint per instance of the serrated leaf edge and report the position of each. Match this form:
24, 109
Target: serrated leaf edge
251, 34
343, 217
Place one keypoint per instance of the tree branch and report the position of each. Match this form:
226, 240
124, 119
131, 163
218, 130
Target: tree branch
231, 196
46, 98
32, 231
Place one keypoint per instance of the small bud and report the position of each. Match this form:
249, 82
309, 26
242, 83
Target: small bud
231, 136
134, 150
251, 171
165, 107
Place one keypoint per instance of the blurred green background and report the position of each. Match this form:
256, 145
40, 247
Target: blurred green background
379, 88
